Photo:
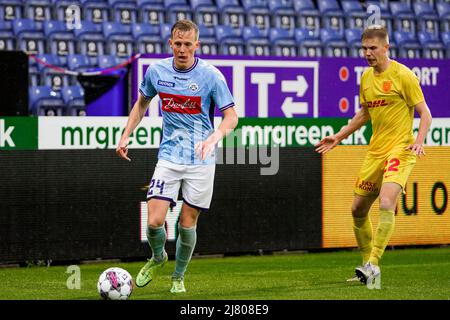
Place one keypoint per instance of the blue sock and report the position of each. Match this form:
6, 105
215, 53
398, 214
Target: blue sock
186, 241
157, 239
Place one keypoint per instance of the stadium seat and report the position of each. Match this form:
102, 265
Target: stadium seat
256, 41
355, 15
28, 38
10, 10
147, 38
230, 40
432, 47
231, 13
73, 97
283, 42
177, 10
48, 75
307, 15
205, 12
95, 11
333, 42
90, 40
408, 46
208, 43
405, 18
39, 11
309, 44
332, 15
353, 37
283, 14
386, 18
443, 9
7, 40
151, 11
123, 11
427, 17
60, 40
60, 7
445, 37
258, 13
45, 102
33, 73
118, 39
166, 30
79, 63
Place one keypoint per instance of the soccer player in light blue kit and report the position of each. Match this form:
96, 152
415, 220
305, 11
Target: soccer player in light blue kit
189, 89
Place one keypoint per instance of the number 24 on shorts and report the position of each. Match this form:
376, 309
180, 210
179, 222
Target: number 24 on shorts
156, 183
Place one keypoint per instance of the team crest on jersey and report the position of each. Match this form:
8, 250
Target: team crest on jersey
387, 85
180, 104
193, 87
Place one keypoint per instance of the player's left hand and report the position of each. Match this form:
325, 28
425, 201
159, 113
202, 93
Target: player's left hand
204, 149
416, 148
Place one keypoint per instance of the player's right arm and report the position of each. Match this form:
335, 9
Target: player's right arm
329, 142
135, 117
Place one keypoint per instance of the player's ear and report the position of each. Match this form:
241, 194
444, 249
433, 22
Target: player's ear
170, 43
197, 45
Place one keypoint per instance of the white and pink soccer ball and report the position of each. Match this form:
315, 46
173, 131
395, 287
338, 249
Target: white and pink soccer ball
115, 284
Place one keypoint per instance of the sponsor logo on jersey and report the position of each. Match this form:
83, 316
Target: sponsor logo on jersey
166, 83
377, 103
180, 104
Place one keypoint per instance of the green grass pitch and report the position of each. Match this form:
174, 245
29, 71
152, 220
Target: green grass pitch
417, 274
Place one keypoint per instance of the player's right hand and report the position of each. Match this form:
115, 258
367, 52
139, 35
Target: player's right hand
326, 144
122, 149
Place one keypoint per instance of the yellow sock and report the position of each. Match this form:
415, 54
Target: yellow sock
363, 233
383, 234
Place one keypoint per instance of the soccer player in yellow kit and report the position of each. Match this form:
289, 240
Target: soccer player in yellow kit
389, 94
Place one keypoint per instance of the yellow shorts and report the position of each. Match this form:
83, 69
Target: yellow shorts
395, 167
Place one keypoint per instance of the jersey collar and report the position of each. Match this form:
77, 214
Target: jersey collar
185, 70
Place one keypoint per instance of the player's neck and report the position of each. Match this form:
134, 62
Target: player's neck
382, 66
185, 66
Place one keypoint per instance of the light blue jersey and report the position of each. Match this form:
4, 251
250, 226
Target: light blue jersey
188, 98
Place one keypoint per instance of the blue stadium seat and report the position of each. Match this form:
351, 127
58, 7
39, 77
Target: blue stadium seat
283, 42
118, 38
79, 63
49, 76
231, 13
60, 7
39, 11
28, 38
405, 18
445, 37
45, 102
307, 15
256, 41
427, 17
60, 40
408, 46
443, 9
106, 61
152, 11
73, 97
355, 15
332, 15
258, 13
353, 37
90, 40
386, 18
208, 43
283, 14
147, 38
333, 42
230, 40
95, 11
33, 73
432, 47
177, 10
7, 40
309, 43
166, 33
123, 11
205, 12
10, 10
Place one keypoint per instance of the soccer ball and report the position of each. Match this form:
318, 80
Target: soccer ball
115, 284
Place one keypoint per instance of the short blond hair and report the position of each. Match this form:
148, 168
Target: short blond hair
375, 31
185, 25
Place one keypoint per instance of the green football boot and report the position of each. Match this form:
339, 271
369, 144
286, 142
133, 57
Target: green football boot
177, 285
148, 271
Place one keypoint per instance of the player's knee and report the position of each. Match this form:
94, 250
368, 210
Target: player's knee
386, 203
359, 211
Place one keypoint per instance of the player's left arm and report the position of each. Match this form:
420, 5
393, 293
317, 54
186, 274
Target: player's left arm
229, 122
425, 122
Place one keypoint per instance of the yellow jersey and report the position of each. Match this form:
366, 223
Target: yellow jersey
390, 98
